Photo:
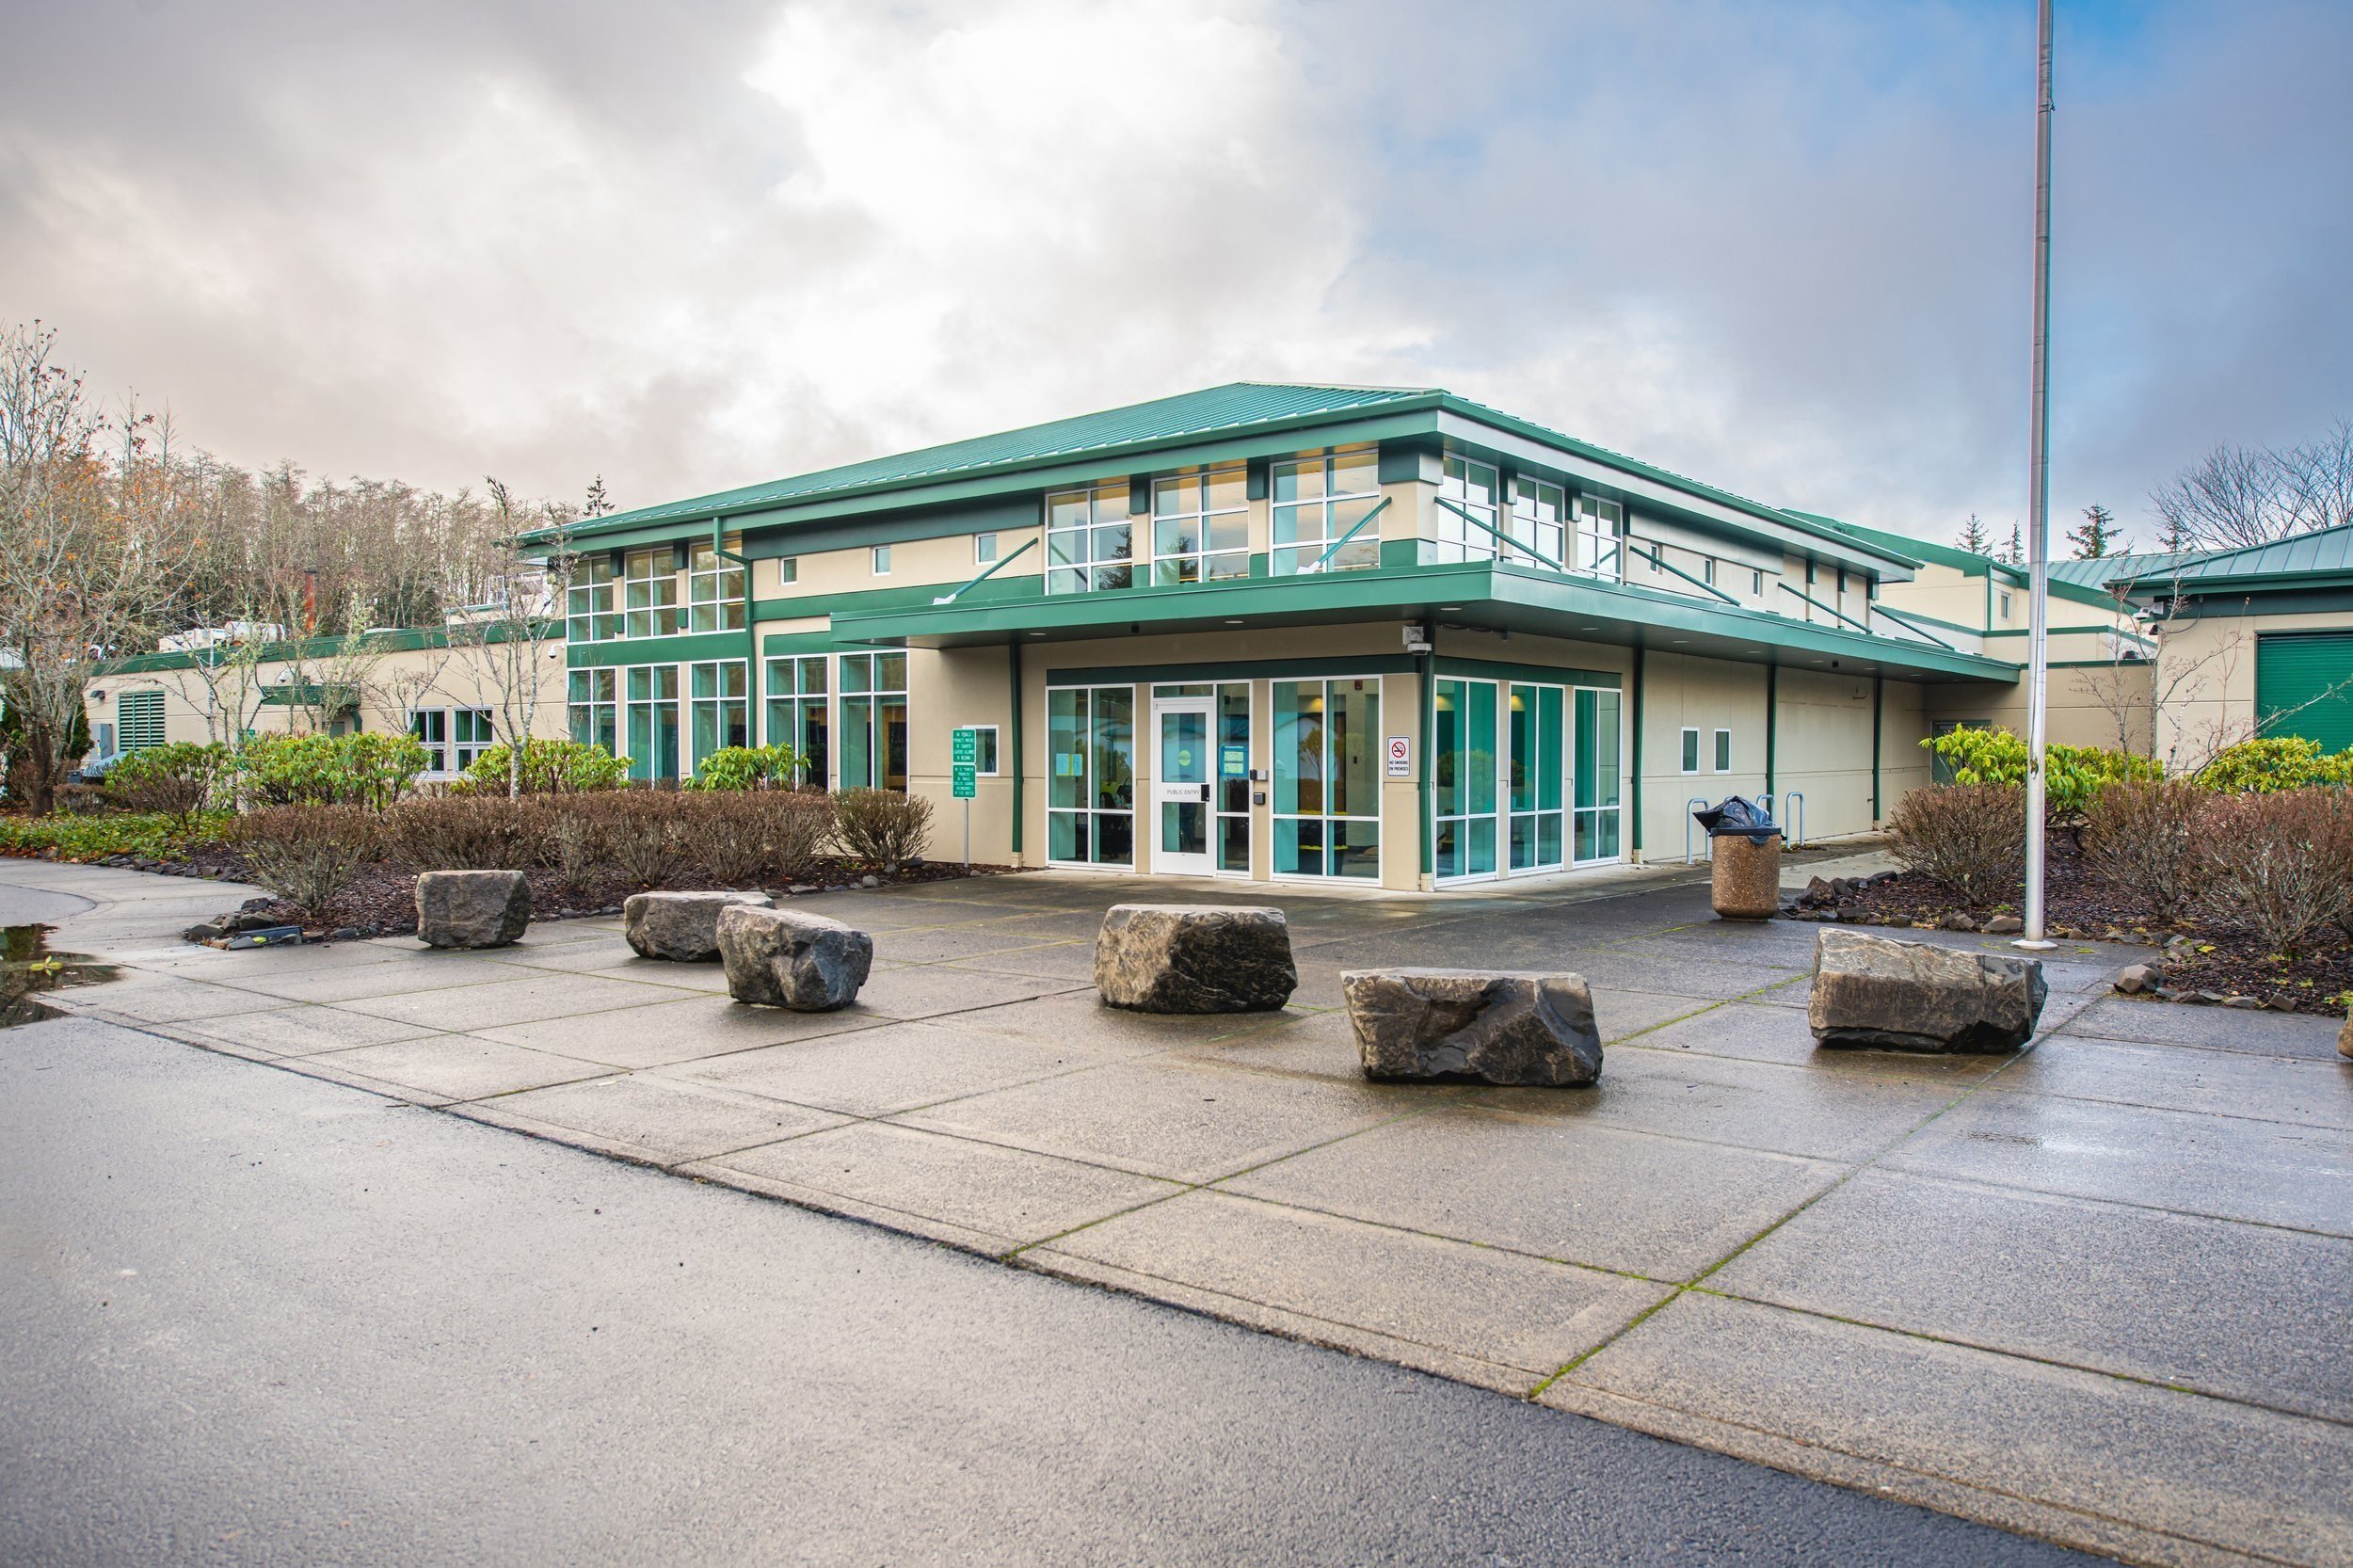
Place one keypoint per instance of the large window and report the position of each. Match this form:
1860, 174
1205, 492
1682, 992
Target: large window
796, 712
452, 737
1499, 764
649, 593
1468, 496
589, 616
595, 709
874, 721
1327, 777
1319, 502
1201, 527
1599, 782
1599, 524
1090, 541
1540, 521
720, 707
1091, 775
654, 728
715, 590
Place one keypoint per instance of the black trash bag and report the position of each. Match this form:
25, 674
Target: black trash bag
1737, 815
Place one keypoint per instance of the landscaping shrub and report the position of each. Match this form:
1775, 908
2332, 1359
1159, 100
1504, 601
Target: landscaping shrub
307, 854
92, 836
756, 835
455, 834
550, 767
2279, 864
771, 767
644, 845
574, 836
1972, 838
882, 826
2273, 763
2072, 776
2144, 838
367, 770
175, 780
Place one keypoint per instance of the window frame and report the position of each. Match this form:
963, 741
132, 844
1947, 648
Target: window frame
1107, 574
659, 614
878, 558
1206, 514
992, 751
1601, 550
723, 610
1334, 513
1689, 755
1724, 751
1455, 487
985, 547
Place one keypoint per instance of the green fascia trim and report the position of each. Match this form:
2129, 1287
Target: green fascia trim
1499, 597
1553, 675
2221, 585
2280, 601
1943, 625
699, 648
1922, 551
1314, 667
409, 639
778, 644
2097, 663
2048, 630
1021, 586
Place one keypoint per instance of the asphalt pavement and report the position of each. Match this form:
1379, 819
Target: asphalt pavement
247, 1317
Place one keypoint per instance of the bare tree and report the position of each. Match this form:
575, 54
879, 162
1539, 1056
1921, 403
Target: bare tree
509, 637
94, 547
2237, 496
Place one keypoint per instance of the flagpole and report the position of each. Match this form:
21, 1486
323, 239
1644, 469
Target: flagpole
2038, 501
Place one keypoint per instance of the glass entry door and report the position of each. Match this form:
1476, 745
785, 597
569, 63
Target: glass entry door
1185, 762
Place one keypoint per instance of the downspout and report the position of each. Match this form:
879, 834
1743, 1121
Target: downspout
1426, 667
1772, 720
1020, 768
1638, 684
1878, 688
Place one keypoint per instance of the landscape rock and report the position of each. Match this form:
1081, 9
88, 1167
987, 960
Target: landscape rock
2248, 1005
1878, 993
471, 909
1497, 1027
785, 958
1958, 923
2004, 925
680, 928
2344, 1036
870, 880
1818, 891
1194, 958
2135, 979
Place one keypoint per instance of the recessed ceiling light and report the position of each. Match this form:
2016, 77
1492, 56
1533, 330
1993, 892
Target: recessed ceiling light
1589, 629
1233, 623
1681, 640
1449, 606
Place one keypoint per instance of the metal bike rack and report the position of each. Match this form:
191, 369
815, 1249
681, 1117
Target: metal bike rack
1796, 829
1697, 803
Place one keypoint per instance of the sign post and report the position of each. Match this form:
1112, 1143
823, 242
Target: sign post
964, 755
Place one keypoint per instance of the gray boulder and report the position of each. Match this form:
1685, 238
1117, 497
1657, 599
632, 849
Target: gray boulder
1499, 1028
2344, 1036
471, 909
681, 928
1878, 993
783, 958
1194, 958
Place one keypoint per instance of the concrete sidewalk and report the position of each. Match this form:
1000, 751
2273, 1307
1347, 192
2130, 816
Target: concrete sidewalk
2095, 1292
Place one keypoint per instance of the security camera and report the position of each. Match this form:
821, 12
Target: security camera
555, 653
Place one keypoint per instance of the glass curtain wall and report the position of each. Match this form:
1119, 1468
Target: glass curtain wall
1468, 489
714, 589
796, 712
1201, 527
874, 740
589, 616
653, 724
1090, 541
1327, 777
1501, 775
1315, 503
1599, 781
1091, 775
649, 593
595, 709
1540, 521
719, 695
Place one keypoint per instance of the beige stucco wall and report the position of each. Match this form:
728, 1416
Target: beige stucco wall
2205, 678
2102, 706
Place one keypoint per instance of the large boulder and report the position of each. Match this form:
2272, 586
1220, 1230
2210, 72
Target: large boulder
1878, 993
1194, 958
682, 928
1497, 1027
784, 958
471, 909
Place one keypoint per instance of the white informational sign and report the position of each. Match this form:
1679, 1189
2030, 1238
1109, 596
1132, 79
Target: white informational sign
1401, 757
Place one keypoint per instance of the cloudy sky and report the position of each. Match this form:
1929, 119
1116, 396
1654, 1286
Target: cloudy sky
1782, 245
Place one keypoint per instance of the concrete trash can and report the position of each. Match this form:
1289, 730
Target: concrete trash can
1744, 860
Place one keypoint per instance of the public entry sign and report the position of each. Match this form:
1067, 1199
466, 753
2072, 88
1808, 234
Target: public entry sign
964, 750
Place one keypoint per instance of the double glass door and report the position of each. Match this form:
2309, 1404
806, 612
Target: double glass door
1523, 777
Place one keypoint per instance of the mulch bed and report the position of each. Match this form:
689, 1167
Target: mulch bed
2204, 961
383, 902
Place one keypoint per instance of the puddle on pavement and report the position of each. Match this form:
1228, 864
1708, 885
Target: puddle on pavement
28, 968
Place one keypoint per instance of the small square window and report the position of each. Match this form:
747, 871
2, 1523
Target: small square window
984, 750
789, 570
2006, 606
984, 549
1724, 751
1707, 571
1842, 580
1690, 751
1756, 582
882, 560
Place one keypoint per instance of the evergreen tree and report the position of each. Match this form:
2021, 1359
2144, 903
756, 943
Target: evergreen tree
1973, 538
599, 504
2014, 552
2096, 535
2175, 534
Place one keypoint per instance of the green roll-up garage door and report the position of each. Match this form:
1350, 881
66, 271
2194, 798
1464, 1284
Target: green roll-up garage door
2304, 680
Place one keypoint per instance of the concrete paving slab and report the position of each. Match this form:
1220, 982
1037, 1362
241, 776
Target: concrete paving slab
2270, 1173
930, 991
438, 1068
2301, 1034
1621, 1014
2102, 1449
1316, 1045
1757, 1105
2176, 1078
511, 1000
897, 1067
1081, 1014
691, 1029
2248, 1312
1177, 1117
1763, 1031
299, 1031
979, 1196
1606, 1197
655, 1120
398, 974
1063, 963
153, 998
1627, 969
1498, 1318
932, 944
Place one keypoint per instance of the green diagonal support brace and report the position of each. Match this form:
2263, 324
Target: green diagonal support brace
1923, 630
1661, 562
1530, 551
1335, 549
1827, 610
994, 568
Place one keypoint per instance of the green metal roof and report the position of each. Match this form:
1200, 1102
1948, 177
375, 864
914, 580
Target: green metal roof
2069, 580
2322, 553
2100, 571
1241, 407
